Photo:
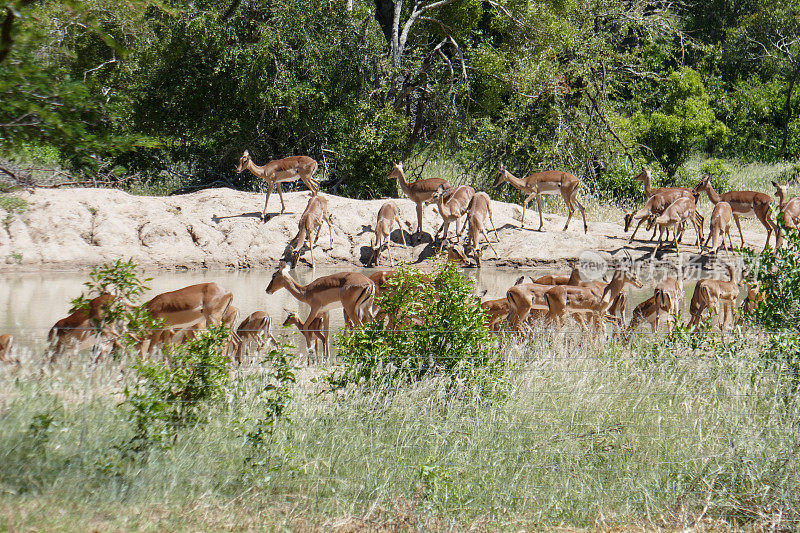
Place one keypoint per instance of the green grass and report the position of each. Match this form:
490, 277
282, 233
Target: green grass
13, 204
591, 435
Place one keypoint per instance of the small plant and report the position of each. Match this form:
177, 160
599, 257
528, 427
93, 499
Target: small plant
173, 392
272, 403
435, 327
121, 280
15, 257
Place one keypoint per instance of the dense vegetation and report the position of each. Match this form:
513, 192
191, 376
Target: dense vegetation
174, 91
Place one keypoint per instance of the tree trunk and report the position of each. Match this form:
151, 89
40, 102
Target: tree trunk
788, 111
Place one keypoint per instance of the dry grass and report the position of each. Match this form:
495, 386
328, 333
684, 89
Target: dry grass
592, 434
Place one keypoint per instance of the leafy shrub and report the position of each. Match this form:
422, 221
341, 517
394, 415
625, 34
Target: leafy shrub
777, 273
435, 327
175, 391
683, 123
616, 185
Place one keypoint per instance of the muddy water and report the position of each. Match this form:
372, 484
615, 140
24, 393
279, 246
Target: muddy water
31, 302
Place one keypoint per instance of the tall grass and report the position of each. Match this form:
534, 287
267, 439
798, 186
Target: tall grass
591, 434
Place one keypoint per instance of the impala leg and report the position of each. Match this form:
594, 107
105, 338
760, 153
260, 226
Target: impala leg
266, 202
641, 221
389, 251
539, 205
738, 225
577, 202
485, 236
330, 226
491, 221
280, 193
402, 233
419, 221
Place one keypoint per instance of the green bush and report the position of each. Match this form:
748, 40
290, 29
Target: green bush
777, 273
175, 392
434, 327
684, 122
616, 185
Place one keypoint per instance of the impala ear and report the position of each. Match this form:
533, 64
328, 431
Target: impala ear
247, 153
399, 165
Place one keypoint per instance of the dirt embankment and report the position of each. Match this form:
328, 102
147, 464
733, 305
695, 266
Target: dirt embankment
221, 228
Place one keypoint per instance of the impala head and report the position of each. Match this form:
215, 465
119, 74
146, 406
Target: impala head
278, 280
442, 191
397, 171
703, 185
628, 220
500, 177
780, 190
243, 162
644, 175
455, 252
291, 319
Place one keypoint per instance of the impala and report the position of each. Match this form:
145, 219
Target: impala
710, 293
744, 203
790, 209
480, 208
6, 345
351, 290
388, 214
547, 182
563, 299
453, 209
677, 213
254, 328
281, 171
192, 307
318, 329
496, 310
654, 207
721, 220
310, 223
76, 331
645, 177
419, 192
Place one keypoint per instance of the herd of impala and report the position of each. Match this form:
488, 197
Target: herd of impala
552, 298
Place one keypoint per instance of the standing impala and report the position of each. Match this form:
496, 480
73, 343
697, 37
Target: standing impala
311, 223
453, 209
480, 208
547, 182
744, 203
419, 192
281, 171
351, 290
388, 214
790, 209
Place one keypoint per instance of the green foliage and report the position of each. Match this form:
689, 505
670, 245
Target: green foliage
684, 122
121, 280
176, 391
435, 327
616, 185
777, 274
720, 174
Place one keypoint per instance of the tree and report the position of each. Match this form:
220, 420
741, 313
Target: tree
684, 121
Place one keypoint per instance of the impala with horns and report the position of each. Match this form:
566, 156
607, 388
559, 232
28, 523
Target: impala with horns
281, 171
710, 294
420, 191
351, 290
480, 208
388, 214
453, 209
190, 308
547, 182
744, 203
310, 223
